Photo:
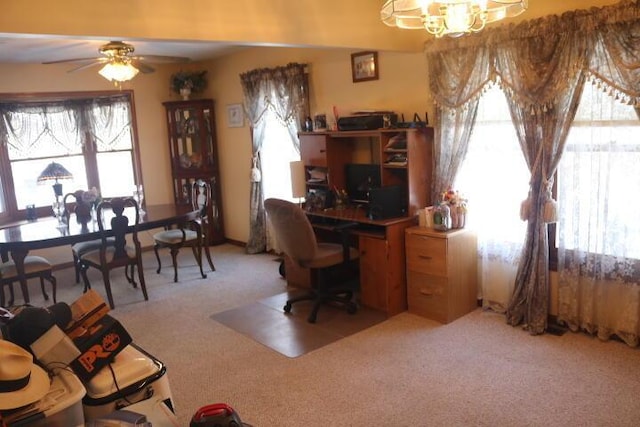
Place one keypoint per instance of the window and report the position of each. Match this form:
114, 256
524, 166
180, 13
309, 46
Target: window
495, 179
277, 151
598, 181
494, 175
595, 185
91, 136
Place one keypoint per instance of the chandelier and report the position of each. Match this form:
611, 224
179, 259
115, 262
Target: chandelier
448, 17
118, 69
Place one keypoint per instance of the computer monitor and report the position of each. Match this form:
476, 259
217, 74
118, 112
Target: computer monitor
360, 179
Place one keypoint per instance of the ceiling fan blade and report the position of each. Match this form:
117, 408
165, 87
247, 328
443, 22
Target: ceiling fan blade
161, 58
62, 61
141, 66
94, 62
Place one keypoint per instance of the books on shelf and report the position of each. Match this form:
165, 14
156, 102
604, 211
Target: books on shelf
397, 142
399, 159
317, 176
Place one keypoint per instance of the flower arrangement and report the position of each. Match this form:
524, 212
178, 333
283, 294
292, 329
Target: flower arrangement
91, 197
195, 81
454, 198
457, 207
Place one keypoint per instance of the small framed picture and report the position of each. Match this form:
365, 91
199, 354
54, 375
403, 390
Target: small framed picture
320, 122
364, 66
235, 116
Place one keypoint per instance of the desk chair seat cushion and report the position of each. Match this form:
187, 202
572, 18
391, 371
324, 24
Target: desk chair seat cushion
172, 237
94, 256
329, 254
32, 264
84, 247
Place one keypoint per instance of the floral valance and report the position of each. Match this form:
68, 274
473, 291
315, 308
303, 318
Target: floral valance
533, 60
260, 84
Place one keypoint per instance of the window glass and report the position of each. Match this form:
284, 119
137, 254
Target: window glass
598, 182
276, 153
115, 184
29, 191
494, 154
92, 138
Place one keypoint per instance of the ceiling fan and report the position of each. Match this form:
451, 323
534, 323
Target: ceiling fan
119, 62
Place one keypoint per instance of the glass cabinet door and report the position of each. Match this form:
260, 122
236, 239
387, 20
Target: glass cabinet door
192, 145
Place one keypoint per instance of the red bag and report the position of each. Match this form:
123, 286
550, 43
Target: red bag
217, 415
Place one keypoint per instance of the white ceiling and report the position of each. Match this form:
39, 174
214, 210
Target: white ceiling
33, 49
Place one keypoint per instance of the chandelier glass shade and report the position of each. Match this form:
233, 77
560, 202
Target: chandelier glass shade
118, 70
449, 17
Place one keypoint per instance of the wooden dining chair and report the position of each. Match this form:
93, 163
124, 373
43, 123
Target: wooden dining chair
34, 267
122, 253
70, 201
195, 234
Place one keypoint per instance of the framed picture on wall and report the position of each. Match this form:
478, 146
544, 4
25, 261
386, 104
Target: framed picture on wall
364, 66
235, 116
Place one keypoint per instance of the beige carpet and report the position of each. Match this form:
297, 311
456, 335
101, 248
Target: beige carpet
404, 371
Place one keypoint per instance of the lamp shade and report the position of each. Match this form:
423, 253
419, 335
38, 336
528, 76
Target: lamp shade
118, 71
54, 171
298, 179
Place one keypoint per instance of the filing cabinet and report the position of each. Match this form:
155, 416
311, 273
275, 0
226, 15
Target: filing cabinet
442, 269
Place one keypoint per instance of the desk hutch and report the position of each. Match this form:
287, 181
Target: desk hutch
331, 151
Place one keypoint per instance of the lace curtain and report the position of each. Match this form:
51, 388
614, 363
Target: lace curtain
541, 65
599, 246
110, 125
58, 128
28, 130
283, 91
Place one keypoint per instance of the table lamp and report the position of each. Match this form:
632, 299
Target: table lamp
298, 180
53, 172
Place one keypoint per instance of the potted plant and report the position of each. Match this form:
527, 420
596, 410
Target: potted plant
185, 83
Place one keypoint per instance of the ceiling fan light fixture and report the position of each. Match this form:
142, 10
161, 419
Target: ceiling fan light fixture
118, 71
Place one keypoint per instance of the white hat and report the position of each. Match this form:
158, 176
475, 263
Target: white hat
21, 381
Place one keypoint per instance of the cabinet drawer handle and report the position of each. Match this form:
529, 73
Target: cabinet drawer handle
425, 257
323, 151
426, 292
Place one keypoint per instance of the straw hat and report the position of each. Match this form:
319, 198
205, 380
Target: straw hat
21, 381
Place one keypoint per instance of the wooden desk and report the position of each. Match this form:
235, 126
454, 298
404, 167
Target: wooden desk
18, 240
382, 256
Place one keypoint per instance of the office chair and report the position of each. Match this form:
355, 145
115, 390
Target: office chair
119, 254
34, 266
298, 241
195, 235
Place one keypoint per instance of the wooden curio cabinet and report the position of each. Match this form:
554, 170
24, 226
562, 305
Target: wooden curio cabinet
194, 155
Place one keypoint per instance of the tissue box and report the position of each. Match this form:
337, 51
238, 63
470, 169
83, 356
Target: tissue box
54, 348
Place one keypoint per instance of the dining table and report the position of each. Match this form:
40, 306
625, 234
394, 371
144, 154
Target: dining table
17, 240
